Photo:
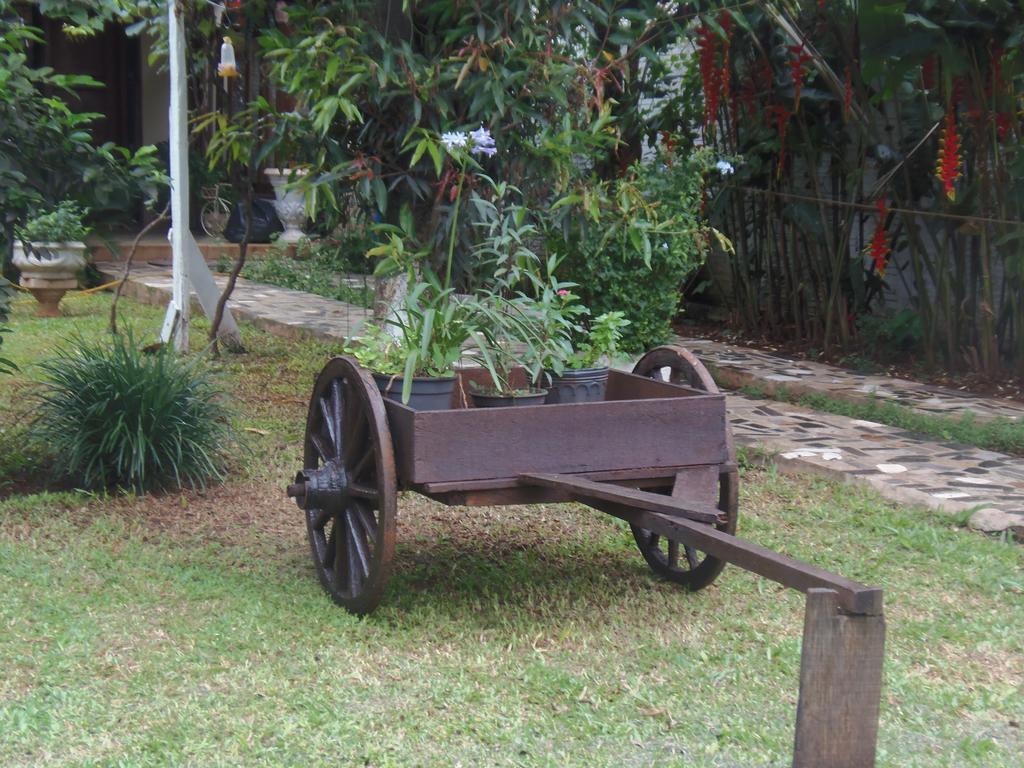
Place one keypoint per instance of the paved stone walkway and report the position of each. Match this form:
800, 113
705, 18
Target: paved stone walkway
986, 486
281, 311
949, 477
741, 366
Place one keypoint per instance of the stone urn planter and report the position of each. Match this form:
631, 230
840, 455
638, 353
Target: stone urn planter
290, 204
49, 271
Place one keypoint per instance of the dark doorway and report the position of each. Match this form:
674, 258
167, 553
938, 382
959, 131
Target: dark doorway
110, 57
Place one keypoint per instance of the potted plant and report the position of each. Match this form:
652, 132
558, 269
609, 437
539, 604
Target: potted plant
291, 143
584, 375
50, 254
512, 344
416, 364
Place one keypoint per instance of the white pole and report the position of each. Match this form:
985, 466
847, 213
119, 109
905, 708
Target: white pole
176, 322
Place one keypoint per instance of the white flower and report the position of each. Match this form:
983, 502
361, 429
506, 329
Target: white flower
724, 167
454, 139
483, 142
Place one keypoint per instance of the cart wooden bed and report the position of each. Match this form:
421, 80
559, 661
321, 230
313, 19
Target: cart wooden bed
657, 452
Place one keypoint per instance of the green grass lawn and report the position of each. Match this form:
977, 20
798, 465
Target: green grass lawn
189, 629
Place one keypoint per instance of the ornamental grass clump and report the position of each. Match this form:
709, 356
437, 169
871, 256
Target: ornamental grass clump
117, 417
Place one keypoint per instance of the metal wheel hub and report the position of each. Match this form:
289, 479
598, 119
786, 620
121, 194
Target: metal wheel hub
326, 488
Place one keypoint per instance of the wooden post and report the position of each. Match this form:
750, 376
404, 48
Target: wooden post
176, 321
840, 685
189, 269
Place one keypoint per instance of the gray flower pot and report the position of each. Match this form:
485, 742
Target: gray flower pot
585, 385
428, 393
505, 401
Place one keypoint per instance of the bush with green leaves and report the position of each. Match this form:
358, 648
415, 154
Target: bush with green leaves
63, 224
118, 417
602, 341
634, 241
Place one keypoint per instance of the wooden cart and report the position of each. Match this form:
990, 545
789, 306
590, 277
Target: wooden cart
656, 452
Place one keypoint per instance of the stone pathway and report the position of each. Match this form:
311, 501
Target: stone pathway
282, 311
736, 367
902, 467
947, 477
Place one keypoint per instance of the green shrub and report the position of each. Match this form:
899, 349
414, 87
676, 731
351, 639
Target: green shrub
65, 223
120, 418
633, 242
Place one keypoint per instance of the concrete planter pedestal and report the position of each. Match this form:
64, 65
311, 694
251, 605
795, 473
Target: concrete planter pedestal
290, 204
50, 271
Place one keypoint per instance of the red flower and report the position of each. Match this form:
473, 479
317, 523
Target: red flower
725, 21
797, 71
710, 74
947, 169
878, 249
780, 116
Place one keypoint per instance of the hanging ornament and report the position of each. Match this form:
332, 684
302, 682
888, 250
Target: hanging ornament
227, 67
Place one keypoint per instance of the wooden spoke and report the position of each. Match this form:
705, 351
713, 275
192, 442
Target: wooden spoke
320, 518
357, 540
321, 449
696, 570
360, 491
331, 551
353, 545
355, 576
367, 521
337, 406
328, 424
364, 462
691, 557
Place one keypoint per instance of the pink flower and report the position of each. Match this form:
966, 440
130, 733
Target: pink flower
563, 292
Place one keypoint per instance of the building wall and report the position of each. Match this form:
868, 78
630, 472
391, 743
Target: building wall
156, 95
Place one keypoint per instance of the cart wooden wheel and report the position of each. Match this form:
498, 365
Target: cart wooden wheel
347, 487
674, 560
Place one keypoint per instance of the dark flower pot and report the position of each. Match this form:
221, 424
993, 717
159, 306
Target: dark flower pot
585, 385
505, 401
428, 393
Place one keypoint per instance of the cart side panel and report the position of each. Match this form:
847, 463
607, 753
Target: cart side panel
485, 443
629, 386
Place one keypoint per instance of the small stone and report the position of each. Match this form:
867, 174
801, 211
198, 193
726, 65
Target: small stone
802, 453
950, 495
975, 481
891, 469
780, 377
993, 520
862, 423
